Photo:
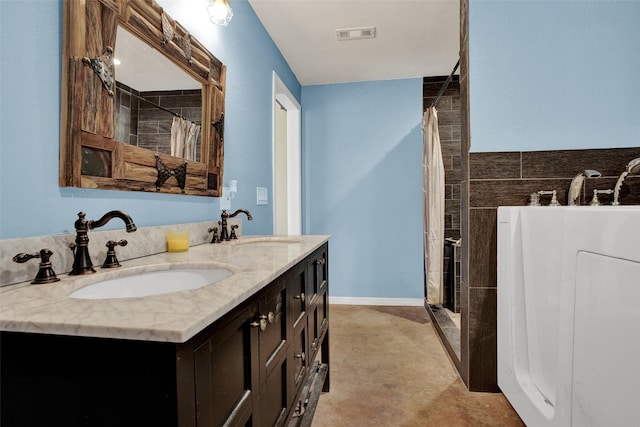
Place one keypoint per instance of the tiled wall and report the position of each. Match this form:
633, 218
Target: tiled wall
448, 107
154, 125
507, 179
144, 125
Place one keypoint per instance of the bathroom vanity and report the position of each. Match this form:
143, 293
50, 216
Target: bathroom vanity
249, 350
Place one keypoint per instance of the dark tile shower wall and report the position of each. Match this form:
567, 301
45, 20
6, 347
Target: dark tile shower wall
448, 107
154, 124
140, 123
507, 179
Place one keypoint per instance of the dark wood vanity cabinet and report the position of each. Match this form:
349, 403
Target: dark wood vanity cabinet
252, 367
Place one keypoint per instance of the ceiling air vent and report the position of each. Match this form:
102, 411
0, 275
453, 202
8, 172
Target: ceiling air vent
356, 33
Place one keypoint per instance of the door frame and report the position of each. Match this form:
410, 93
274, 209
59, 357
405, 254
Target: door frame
283, 96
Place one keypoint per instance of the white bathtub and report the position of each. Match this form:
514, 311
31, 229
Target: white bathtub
569, 314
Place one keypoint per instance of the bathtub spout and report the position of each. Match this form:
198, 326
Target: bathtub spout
575, 188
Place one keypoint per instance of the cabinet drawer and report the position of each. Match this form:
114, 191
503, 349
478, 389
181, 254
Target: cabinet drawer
318, 322
274, 400
273, 337
317, 266
297, 288
300, 355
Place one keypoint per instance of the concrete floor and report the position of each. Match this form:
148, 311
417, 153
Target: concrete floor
388, 369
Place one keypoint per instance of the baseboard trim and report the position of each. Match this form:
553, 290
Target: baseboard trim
402, 302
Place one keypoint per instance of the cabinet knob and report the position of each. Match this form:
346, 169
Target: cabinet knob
261, 322
321, 261
271, 317
301, 356
300, 297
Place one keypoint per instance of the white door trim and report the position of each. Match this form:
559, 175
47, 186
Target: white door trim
282, 95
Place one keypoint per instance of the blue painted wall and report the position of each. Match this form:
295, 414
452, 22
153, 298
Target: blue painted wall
362, 163
548, 75
32, 204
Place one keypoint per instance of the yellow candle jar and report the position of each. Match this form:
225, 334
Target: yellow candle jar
178, 241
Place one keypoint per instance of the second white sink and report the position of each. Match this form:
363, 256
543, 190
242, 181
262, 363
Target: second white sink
152, 283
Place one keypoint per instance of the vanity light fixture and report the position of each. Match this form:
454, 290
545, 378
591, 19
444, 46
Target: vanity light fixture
220, 12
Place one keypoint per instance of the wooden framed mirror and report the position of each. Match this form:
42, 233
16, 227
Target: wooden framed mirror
93, 154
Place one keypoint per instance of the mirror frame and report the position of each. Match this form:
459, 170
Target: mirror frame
87, 118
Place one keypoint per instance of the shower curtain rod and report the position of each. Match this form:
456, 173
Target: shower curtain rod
446, 84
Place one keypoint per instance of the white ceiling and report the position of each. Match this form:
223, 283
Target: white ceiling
415, 38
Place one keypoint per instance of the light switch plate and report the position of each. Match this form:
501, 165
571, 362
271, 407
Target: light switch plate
262, 197
225, 200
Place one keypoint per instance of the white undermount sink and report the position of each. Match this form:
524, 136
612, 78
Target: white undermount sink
152, 283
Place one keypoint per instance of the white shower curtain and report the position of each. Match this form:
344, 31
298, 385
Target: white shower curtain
191, 143
184, 138
433, 192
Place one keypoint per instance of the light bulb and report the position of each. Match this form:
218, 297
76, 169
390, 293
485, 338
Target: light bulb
220, 12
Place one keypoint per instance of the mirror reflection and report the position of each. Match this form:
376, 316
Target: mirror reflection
158, 106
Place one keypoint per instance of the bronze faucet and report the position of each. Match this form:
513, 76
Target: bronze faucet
81, 260
45, 270
224, 232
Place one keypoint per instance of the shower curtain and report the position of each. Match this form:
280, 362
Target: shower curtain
433, 199
184, 138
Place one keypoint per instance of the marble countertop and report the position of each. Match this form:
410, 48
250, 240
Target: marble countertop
173, 317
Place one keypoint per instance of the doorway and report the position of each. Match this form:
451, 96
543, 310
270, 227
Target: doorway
287, 197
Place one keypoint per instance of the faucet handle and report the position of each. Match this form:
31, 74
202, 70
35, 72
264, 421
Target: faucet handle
595, 201
111, 261
214, 238
534, 199
45, 272
554, 196
233, 232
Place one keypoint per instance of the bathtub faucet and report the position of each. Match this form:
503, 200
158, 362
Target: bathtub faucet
633, 168
81, 260
224, 232
575, 188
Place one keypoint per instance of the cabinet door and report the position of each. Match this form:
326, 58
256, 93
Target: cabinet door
318, 323
297, 288
273, 356
318, 305
319, 272
224, 363
299, 353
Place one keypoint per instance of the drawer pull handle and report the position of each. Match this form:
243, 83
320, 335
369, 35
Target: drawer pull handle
300, 297
261, 322
301, 356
